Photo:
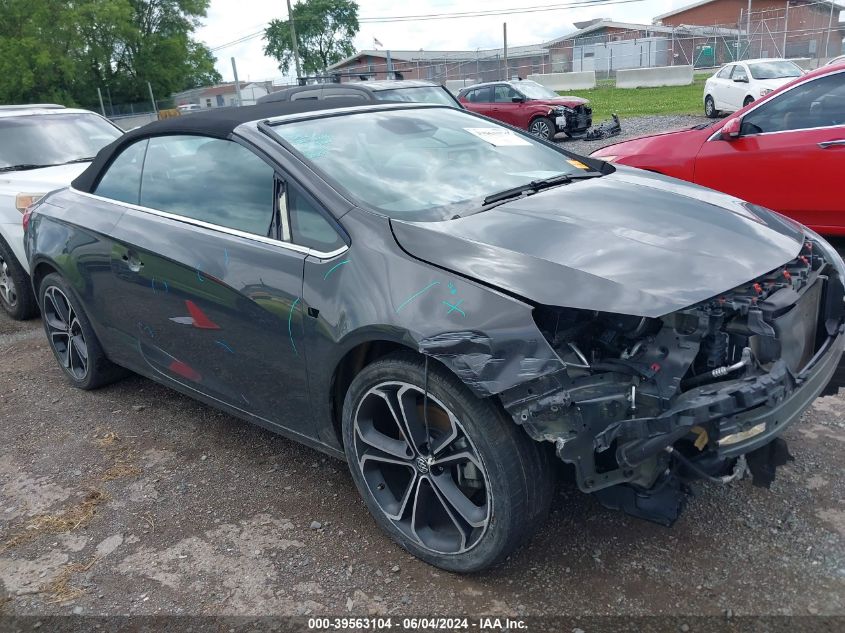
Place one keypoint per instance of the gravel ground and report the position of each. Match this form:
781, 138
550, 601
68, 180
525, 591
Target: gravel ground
635, 126
134, 499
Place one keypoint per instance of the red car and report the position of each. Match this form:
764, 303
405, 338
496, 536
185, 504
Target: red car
785, 151
528, 105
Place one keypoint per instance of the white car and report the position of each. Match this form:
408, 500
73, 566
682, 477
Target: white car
836, 60
42, 147
736, 85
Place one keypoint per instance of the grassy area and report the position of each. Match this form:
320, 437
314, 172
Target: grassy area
606, 98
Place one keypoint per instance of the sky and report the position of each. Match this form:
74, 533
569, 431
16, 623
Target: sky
228, 20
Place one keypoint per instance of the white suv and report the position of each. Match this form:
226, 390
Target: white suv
42, 147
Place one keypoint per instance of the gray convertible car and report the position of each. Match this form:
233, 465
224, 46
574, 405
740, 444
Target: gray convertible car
449, 304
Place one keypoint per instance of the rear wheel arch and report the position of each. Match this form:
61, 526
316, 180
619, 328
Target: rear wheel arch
39, 271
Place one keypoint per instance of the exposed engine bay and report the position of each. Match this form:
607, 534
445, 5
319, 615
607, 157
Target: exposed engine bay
645, 405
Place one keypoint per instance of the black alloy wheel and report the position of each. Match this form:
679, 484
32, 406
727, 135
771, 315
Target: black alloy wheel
72, 338
446, 474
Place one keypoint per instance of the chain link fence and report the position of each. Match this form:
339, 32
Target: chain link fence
807, 31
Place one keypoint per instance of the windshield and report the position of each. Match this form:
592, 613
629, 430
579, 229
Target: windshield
423, 164
421, 94
533, 90
52, 139
774, 70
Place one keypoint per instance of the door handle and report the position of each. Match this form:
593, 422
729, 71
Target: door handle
826, 144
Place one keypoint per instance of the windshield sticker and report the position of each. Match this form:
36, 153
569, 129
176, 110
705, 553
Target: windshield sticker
577, 163
499, 137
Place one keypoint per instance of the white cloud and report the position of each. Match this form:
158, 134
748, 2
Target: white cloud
229, 20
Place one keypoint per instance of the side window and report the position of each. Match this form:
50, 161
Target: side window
122, 180
725, 72
484, 95
212, 180
813, 104
308, 227
739, 73
504, 94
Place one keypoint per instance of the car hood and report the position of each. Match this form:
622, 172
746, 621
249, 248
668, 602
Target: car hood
629, 242
571, 102
39, 180
635, 145
773, 84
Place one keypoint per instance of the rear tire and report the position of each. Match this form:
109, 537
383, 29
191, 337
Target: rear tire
16, 296
748, 101
465, 505
542, 127
710, 107
71, 337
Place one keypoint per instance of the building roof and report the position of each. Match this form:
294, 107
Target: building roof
701, 3
444, 56
216, 123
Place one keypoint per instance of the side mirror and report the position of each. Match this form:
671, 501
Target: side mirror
741, 80
518, 99
731, 129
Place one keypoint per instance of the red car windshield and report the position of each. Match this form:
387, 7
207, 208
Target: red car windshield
533, 90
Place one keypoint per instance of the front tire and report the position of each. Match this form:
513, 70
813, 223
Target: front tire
710, 107
748, 101
16, 296
461, 495
72, 338
542, 127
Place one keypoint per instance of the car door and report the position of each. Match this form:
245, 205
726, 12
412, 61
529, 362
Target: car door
719, 85
480, 100
504, 108
737, 87
206, 286
790, 155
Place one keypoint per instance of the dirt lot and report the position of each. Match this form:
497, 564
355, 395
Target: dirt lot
136, 500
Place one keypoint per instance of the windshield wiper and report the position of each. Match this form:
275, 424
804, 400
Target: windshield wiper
23, 167
86, 159
536, 185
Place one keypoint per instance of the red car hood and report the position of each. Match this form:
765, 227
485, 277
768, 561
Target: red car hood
636, 144
570, 102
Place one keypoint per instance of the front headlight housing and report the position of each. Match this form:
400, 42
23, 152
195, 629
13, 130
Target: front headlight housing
830, 253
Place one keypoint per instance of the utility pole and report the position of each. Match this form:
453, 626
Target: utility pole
505, 37
237, 83
152, 98
102, 107
829, 28
748, 26
296, 42
389, 74
786, 27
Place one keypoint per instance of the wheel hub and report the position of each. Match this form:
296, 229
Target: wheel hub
423, 464
8, 292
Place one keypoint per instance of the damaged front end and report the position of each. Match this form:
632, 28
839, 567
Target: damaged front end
643, 405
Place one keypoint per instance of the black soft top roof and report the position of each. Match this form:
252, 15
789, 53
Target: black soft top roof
217, 123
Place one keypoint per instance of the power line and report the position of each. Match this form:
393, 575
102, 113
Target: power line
574, 4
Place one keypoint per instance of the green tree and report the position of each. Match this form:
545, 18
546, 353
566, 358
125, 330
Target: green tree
324, 30
64, 51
